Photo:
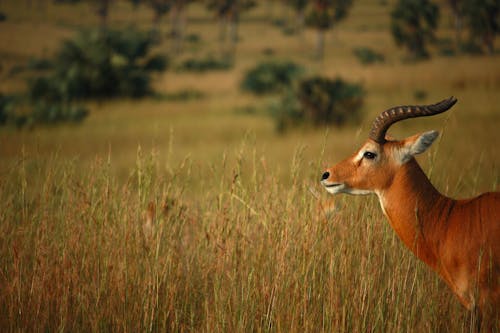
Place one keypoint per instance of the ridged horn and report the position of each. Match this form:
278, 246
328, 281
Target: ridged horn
384, 120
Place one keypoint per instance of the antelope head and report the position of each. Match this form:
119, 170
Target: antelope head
373, 167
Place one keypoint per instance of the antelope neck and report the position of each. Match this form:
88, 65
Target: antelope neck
412, 205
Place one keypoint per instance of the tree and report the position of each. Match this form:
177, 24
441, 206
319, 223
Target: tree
96, 64
178, 10
299, 7
160, 8
413, 23
228, 12
457, 10
483, 20
323, 15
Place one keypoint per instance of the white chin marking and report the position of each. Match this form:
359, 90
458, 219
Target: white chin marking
357, 192
342, 188
335, 189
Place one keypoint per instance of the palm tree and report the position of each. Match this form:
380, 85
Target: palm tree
482, 19
457, 10
228, 12
299, 7
413, 23
322, 16
160, 8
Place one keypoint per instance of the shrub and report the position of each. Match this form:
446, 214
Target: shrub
39, 64
54, 113
271, 77
287, 111
192, 38
368, 56
95, 64
17, 111
471, 47
413, 25
6, 104
326, 101
205, 64
318, 101
98, 64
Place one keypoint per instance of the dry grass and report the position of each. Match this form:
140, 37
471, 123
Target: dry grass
190, 216
82, 252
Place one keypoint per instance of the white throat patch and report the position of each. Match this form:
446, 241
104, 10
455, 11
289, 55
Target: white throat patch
381, 200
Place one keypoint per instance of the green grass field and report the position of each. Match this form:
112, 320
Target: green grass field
157, 215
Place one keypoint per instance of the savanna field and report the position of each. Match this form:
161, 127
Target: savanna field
195, 215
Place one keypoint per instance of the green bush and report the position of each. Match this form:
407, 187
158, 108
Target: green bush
287, 111
318, 101
95, 64
6, 104
472, 47
413, 26
39, 64
192, 38
205, 64
326, 101
54, 113
98, 64
368, 56
20, 112
271, 77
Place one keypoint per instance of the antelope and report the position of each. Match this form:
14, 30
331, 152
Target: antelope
458, 239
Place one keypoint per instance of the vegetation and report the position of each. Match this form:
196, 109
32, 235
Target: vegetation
323, 15
160, 9
271, 77
101, 65
482, 18
318, 101
368, 56
326, 101
6, 104
95, 64
236, 238
457, 10
204, 64
299, 7
228, 13
413, 25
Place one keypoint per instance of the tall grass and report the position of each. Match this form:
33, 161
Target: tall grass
82, 251
138, 240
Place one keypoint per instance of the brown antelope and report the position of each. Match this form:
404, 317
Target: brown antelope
459, 239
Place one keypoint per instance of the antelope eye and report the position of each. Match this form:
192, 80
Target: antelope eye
369, 155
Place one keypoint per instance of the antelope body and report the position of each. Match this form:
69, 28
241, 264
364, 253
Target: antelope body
459, 239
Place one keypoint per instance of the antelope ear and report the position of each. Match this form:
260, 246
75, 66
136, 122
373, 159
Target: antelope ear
416, 144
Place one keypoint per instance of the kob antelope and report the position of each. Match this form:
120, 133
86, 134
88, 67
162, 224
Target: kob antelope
459, 239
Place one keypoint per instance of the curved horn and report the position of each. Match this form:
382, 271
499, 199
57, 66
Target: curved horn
382, 123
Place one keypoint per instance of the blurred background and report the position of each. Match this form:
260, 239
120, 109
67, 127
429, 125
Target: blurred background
160, 160
84, 79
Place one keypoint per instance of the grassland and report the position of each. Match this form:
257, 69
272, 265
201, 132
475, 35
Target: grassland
157, 215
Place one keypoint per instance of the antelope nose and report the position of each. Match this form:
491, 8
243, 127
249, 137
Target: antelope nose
325, 175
